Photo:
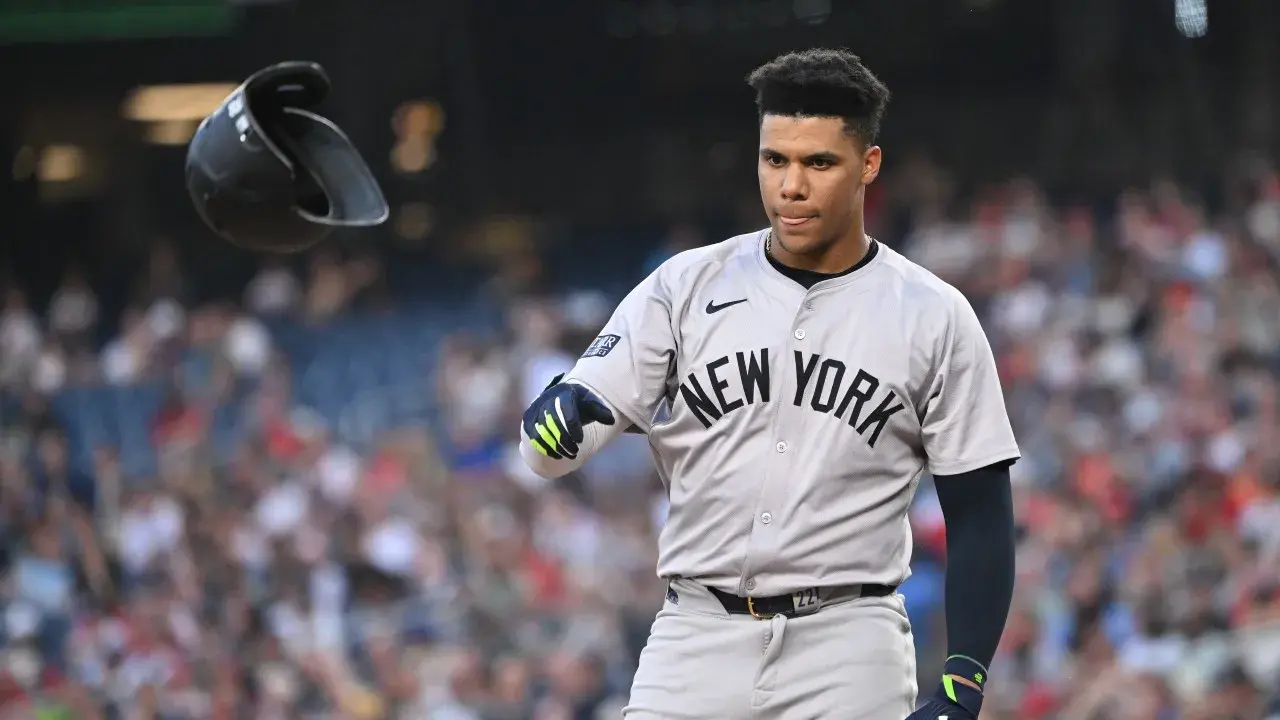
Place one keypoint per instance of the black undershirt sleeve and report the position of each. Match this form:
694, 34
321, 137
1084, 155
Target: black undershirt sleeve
978, 509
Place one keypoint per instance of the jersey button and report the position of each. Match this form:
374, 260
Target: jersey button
800, 334
808, 306
766, 518
751, 584
782, 447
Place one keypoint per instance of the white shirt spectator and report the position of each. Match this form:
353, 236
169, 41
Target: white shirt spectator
74, 308
586, 309
1225, 452
946, 249
19, 339
289, 626
282, 508
148, 531
21, 620
392, 546
248, 346
166, 319
1261, 522
1264, 222
249, 545
480, 396
1023, 310
1021, 235
1118, 364
126, 357
122, 362
1143, 411
328, 590
273, 291
1113, 314
1158, 655
1259, 647
50, 372
1205, 256
1059, 362
536, 355
338, 473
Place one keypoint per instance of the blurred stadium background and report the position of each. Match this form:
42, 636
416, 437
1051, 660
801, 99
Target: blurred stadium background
239, 488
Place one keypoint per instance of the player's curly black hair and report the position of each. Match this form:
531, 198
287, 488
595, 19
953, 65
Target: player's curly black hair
822, 83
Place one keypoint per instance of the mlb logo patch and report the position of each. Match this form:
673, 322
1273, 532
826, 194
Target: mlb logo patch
601, 346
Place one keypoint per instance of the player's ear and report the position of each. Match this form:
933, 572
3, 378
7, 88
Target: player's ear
871, 164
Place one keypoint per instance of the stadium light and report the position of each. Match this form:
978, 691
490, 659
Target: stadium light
60, 163
164, 103
417, 125
171, 132
1191, 18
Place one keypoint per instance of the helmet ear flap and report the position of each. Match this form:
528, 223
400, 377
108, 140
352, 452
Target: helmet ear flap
296, 84
334, 185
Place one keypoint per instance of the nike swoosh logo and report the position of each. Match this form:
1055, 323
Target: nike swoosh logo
713, 308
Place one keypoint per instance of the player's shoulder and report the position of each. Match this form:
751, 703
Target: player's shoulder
694, 261
918, 285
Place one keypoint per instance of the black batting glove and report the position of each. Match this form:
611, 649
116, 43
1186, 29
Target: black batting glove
954, 700
553, 422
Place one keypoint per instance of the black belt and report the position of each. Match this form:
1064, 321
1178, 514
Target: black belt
795, 604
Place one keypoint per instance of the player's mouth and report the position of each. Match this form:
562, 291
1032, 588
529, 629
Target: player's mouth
795, 221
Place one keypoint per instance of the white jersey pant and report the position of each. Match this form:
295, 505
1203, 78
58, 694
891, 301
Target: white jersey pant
854, 659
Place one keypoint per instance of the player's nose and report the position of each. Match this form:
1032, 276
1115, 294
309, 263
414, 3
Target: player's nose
794, 186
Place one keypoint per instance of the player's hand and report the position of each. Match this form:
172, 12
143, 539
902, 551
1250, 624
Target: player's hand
553, 422
955, 698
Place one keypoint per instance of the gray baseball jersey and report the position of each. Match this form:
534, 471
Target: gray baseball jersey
791, 426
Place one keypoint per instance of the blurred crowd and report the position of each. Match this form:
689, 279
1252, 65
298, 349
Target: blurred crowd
303, 571
1140, 358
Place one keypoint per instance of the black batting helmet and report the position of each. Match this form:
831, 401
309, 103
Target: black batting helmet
267, 173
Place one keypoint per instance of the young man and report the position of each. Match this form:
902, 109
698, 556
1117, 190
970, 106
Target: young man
794, 383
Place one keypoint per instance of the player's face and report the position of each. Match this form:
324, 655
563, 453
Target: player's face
812, 175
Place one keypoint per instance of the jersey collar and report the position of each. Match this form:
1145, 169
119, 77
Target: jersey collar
839, 281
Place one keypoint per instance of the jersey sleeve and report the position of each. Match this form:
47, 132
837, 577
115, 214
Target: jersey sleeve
629, 363
966, 425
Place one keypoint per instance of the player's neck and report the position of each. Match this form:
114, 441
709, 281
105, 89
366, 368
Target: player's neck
840, 256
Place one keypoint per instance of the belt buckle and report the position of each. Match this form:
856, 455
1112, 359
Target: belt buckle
751, 608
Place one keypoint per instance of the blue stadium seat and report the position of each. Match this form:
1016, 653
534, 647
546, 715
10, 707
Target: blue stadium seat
362, 374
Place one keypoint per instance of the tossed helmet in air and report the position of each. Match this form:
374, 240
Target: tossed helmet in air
267, 173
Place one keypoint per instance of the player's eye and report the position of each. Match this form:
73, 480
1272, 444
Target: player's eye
821, 164
775, 160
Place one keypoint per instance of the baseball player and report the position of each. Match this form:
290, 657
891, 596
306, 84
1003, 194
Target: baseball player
794, 384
